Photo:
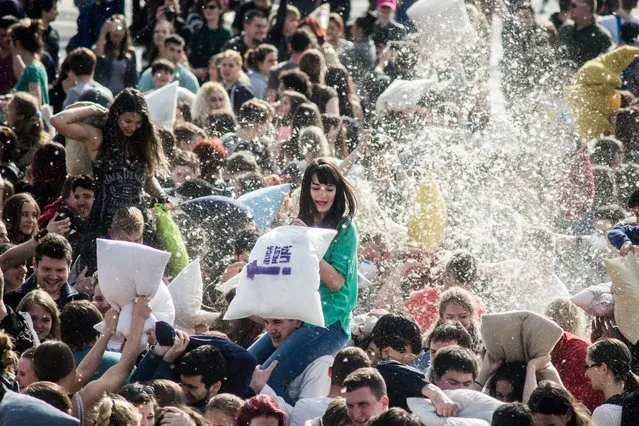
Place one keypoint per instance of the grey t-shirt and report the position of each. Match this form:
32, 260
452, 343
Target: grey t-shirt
76, 91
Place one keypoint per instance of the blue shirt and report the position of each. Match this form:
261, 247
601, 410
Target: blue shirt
184, 77
109, 359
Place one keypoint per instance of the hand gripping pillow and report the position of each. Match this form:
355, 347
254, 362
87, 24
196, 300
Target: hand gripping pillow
282, 279
163, 310
596, 300
186, 291
127, 270
518, 336
624, 274
265, 203
473, 408
435, 18
428, 220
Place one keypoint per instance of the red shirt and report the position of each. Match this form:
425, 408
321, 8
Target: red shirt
423, 305
569, 357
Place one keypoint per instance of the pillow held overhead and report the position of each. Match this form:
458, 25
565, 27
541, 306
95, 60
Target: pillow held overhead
186, 291
282, 279
624, 274
596, 300
518, 336
127, 270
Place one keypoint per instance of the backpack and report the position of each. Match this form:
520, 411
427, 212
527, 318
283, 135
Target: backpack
629, 403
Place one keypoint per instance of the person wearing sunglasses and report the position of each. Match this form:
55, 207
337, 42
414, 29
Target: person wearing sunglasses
582, 39
143, 398
209, 39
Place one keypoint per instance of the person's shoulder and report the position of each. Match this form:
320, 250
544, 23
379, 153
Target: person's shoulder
607, 415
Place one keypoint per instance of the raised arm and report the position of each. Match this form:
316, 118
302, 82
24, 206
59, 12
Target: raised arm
84, 372
25, 251
69, 124
115, 376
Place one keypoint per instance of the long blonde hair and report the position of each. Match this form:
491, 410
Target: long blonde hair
113, 410
200, 106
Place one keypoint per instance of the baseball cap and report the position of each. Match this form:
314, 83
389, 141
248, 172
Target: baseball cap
388, 3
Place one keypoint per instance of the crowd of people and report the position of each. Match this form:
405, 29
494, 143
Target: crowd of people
378, 128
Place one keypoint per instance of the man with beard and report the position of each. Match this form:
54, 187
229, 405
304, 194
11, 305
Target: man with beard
255, 28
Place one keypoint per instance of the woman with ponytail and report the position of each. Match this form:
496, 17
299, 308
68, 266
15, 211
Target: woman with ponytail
113, 410
24, 118
607, 366
26, 37
8, 362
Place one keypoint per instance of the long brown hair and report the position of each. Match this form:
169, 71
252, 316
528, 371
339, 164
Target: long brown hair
29, 126
12, 214
124, 49
145, 145
550, 398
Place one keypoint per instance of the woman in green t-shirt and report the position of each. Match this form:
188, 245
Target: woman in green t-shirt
26, 37
326, 201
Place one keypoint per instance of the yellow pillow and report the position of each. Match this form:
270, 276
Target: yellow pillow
428, 220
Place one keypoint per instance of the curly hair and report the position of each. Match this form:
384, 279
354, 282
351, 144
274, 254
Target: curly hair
8, 358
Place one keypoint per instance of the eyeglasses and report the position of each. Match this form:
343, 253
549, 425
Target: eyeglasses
589, 366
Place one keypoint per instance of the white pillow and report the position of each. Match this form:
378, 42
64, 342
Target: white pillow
596, 300
435, 20
473, 408
403, 95
265, 203
186, 291
624, 273
162, 104
127, 270
283, 285
163, 310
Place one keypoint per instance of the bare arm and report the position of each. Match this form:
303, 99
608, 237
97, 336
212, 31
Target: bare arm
330, 276
34, 90
115, 376
153, 188
25, 251
69, 124
534, 365
91, 362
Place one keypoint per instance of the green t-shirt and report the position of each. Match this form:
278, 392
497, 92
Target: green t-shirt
341, 255
34, 73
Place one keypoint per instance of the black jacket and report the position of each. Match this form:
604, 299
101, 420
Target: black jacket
67, 293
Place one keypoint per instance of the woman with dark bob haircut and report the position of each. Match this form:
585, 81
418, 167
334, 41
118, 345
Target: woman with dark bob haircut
326, 201
259, 409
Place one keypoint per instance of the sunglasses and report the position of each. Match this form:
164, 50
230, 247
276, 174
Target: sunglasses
210, 7
139, 390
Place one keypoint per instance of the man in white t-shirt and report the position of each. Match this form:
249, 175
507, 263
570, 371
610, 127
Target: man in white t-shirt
622, 15
314, 383
346, 361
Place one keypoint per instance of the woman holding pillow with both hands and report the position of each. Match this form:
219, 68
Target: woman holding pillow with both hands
326, 201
